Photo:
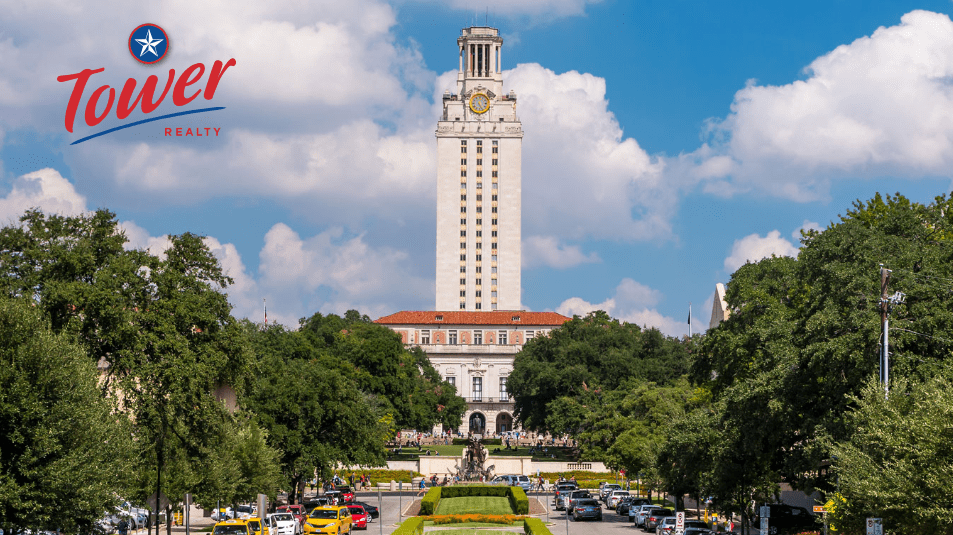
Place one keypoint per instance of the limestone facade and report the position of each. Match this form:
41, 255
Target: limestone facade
475, 352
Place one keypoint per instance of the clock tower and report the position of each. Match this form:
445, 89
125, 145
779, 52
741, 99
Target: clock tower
479, 183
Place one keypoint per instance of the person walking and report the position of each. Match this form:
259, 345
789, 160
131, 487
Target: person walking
123, 527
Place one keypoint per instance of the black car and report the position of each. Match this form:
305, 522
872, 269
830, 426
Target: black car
586, 508
786, 518
654, 517
372, 510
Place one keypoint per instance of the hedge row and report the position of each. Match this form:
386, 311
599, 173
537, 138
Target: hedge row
535, 526
429, 504
485, 441
517, 497
412, 526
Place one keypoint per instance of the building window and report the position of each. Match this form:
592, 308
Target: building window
479, 233
479, 173
463, 257
493, 306
494, 198
479, 269
501, 338
463, 221
494, 245
463, 161
479, 161
479, 185
495, 174
495, 161
480, 197
479, 245
504, 395
494, 220
493, 294
463, 234
494, 209
478, 305
452, 337
478, 337
493, 270
477, 389
494, 234
463, 196
480, 209
479, 221
425, 336
479, 293
463, 281
496, 143
452, 381
463, 293
463, 305
463, 269
479, 258
493, 259
495, 149
463, 173
479, 282
529, 335
463, 209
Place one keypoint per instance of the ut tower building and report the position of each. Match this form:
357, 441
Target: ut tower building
479, 154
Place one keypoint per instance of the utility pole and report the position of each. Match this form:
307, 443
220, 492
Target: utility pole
884, 353
886, 303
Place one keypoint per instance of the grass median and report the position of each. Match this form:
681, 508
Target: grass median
491, 505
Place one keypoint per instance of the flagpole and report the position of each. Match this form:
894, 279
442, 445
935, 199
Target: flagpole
264, 304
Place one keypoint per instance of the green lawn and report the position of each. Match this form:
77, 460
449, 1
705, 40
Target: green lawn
490, 505
428, 523
457, 531
411, 453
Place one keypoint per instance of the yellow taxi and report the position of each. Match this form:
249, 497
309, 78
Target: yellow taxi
328, 520
257, 526
232, 527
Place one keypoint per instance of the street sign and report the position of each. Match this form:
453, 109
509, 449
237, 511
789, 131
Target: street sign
819, 509
680, 522
151, 502
764, 525
875, 526
765, 511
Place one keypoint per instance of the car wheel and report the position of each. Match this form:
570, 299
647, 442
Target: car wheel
773, 530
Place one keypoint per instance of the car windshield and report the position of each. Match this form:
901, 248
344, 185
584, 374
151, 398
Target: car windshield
231, 529
324, 514
587, 503
662, 512
357, 510
283, 517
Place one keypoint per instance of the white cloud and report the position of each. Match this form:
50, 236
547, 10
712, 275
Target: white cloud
45, 189
806, 226
632, 302
546, 8
753, 248
547, 251
881, 105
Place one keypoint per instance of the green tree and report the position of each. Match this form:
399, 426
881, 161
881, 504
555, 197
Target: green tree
898, 464
63, 446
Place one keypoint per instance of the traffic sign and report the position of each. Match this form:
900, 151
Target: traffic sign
765, 511
680, 522
875, 526
819, 509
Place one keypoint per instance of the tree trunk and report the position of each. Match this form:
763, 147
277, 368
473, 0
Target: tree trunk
168, 519
293, 494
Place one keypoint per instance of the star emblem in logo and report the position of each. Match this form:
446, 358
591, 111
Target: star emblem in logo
148, 43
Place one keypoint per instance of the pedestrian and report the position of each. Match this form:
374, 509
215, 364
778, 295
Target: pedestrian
423, 487
351, 479
123, 527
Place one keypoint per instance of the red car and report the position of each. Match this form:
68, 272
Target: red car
341, 495
298, 511
358, 516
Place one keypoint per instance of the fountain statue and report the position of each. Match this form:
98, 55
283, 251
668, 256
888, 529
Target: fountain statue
474, 460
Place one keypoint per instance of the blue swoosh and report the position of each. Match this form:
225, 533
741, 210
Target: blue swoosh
111, 130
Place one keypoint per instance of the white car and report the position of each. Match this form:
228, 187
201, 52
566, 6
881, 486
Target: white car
613, 499
225, 513
285, 523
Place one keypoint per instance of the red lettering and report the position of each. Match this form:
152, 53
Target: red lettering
168, 131
216, 131
147, 105
178, 131
207, 133
185, 80
198, 132
215, 76
81, 78
91, 118
188, 131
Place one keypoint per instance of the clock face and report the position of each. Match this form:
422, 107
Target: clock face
479, 103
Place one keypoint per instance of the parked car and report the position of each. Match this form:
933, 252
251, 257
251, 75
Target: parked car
575, 496
697, 531
224, 513
629, 502
586, 508
562, 491
654, 517
358, 516
641, 512
613, 499
285, 523
785, 518
667, 526
299, 513
605, 489
316, 502
329, 520
372, 510
341, 495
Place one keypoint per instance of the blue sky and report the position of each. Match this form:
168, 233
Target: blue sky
666, 143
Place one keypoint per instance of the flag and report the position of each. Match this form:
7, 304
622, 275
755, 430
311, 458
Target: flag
689, 314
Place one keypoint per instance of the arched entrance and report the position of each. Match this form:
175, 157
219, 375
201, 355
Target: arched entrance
504, 422
477, 423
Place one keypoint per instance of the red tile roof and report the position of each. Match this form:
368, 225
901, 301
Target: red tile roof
496, 317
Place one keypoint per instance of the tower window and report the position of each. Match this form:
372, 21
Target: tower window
463, 209
479, 161
495, 161
479, 221
479, 305
463, 293
494, 197
479, 185
463, 221
480, 197
495, 175
463, 234
452, 337
479, 173
463, 269
501, 338
494, 245
478, 282
463, 173
463, 161
494, 220
479, 209
496, 150
478, 337
479, 258
463, 306
479, 269
479, 293
494, 209
495, 143
463, 257
479, 233
463, 197
493, 232
463, 281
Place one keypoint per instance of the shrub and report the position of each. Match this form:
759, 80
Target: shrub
535, 526
485, 442
412, 526
429, 504
518, 500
